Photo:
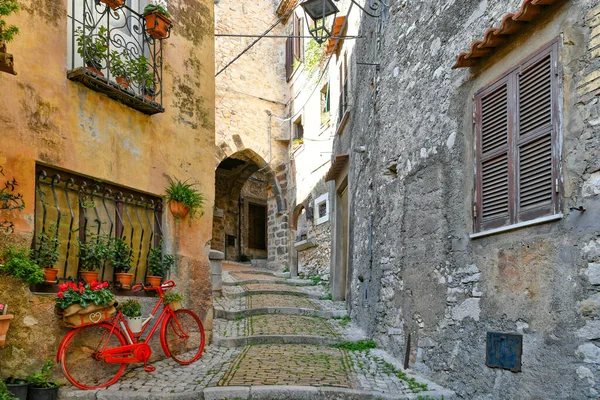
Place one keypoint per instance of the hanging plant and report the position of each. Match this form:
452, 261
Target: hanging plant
7, 32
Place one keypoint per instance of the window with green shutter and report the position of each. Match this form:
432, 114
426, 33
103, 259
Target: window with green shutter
517, 157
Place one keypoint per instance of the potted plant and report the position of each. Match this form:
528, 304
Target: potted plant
133, 311
92, 255
158, 19
173, 300
139, 67
17, 387
7, 34
78, 304
6, 394
92, 49
158, 264
19, 264
5, 320
46, 255
120, 258
40, 386
121, 69
184, 199
114, 4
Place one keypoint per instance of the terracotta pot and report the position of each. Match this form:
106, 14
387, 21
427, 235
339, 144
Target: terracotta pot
125, 279
149, 97
157, 25
51, 274
153, 280
123, 82
179, 210
113, 3
4, 324
89, 276
94, 70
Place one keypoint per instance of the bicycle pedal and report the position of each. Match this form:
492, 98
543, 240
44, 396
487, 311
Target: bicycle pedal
149, 368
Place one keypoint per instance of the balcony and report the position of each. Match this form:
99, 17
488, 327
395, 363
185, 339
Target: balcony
116, 52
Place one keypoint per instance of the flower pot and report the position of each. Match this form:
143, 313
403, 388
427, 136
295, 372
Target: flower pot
89, 276
179, 210
42, 393
123, 82
113, 3
125, 279
175, 305
94, 70
153, 280
4, 324
157, 25
51, 274
19, 390
135, 324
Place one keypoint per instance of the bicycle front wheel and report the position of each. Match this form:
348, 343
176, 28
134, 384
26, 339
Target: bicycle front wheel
78, 356
182, 337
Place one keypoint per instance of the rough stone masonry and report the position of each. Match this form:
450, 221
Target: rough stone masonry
429, 280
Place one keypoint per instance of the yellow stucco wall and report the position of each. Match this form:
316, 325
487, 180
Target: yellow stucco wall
46, 118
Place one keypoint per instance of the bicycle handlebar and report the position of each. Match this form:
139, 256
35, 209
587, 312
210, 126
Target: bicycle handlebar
165, 285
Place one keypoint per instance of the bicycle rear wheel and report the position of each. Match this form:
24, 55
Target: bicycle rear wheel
78, 356
182, 337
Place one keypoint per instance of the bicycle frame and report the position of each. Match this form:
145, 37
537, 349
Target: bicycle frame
135, 351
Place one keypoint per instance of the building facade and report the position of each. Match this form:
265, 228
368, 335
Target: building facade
92, 154
472, 160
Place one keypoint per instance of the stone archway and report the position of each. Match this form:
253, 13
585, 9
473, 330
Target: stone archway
249, 223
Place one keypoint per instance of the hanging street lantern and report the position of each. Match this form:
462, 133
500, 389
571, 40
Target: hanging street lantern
318, 11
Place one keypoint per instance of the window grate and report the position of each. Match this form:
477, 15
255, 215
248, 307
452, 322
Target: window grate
74, 207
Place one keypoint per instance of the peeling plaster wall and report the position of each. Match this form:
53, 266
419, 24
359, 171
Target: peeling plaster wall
48, 119
429, 279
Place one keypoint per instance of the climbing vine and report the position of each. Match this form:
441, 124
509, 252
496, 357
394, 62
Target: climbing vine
10, 200
314, 57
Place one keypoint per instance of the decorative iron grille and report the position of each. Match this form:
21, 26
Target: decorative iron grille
74, 207
111, 52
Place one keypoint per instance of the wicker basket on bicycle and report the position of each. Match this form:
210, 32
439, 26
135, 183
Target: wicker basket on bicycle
75, 316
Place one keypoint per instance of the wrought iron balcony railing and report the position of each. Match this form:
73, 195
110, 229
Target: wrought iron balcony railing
110, 51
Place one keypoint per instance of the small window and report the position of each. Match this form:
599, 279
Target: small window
325, 105
517, 161
298, 131
322, 207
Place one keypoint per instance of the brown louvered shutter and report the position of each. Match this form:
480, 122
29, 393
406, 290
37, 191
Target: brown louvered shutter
537, 195
516, 144
289, 58
493, 123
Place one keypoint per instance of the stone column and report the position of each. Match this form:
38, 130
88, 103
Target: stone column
216, 270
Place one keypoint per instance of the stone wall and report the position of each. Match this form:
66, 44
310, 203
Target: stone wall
429, 279
252, 104
49, 119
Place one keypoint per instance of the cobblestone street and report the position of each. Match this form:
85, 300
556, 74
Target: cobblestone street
294, 347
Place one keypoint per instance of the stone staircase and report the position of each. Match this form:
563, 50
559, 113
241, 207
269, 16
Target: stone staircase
276, 338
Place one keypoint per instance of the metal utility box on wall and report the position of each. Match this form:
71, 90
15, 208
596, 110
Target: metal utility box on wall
504, 350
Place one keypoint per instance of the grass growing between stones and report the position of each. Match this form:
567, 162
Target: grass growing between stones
413, 384
343, 321
328, 296
361, 345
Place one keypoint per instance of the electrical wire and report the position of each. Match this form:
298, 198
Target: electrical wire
284, 16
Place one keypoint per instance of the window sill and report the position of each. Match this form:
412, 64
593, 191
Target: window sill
111, 89
536, 221
305, 244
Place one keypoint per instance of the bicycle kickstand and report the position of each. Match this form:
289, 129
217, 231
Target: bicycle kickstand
148, 368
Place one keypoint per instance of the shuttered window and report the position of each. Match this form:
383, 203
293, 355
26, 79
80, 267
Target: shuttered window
516, 144
294, 46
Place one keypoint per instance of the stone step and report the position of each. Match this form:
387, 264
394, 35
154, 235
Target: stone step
282, 292
231, 315
261, 301
288, 282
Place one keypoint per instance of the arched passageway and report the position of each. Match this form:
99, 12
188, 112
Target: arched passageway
247, 201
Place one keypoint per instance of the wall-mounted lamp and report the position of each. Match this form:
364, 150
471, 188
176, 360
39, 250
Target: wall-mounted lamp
319, 10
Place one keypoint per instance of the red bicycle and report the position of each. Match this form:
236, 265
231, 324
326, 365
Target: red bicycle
95, 356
